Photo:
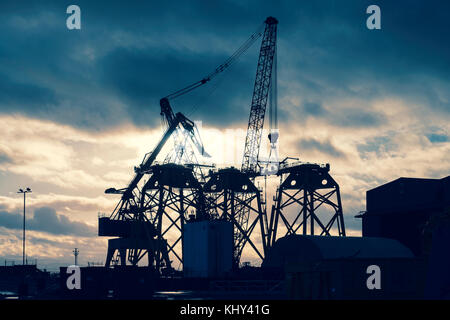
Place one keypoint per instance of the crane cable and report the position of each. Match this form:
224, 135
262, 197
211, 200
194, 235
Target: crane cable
247, 44
273, 98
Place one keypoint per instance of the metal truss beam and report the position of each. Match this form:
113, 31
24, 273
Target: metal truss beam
304, 189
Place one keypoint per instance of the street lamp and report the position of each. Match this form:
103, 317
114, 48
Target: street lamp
75, 254
27, 190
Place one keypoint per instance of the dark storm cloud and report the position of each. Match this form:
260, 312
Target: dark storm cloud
342, 117
376, 145
128, 55
141, 77
313, 108
324, 147
10, 220
4, 158
45, 219
337, 57
437, 138
15, 94
357, 118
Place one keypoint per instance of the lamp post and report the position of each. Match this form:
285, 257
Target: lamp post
27, 190
75, 254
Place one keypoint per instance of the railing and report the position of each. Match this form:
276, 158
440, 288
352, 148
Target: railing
28, 262
298, 163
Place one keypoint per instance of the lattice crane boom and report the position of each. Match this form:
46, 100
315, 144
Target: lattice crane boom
166, 109
260, 97
127, 192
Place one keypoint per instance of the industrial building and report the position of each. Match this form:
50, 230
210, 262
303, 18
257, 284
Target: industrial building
23, 280
402, 209
406, 233
416, 212
336, 267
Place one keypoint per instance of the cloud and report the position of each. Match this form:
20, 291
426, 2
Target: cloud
24, 95
358, 118
111, 73
325, 147
437, 138
77, 113
60, 155
313, 108
45, 219
51, 251
10, 220
378, 145
4, 158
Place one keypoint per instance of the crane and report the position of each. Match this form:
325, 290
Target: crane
129, 209
172, 120
260, 96
250, 162
166, 109
168, 114
150, 157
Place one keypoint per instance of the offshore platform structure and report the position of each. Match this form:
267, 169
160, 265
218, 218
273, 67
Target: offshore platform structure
148, 209
149, 212
236, 197
305, 189
301, 184
151, 216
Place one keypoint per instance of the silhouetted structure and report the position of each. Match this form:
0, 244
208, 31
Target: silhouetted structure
206, 215
336, 267
165, 200
261, 90
401, 210
207, 248
121, 282
304, 191
299, 249
76, 252
232, 196
180, 186
23, 280
24, 192
438, 277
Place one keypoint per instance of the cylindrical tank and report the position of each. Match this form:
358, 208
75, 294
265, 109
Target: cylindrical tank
299, 248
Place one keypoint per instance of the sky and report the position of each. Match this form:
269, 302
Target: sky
80, 108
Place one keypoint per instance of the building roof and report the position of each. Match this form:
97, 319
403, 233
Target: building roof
409, 194
299, 248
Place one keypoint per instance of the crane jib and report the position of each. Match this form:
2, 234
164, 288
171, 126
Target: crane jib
260, 97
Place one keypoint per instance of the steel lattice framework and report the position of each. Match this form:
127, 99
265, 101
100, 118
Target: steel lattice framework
240, 205
260, 95
168, 198
305, 189
152, 224
150, 217
232, 196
